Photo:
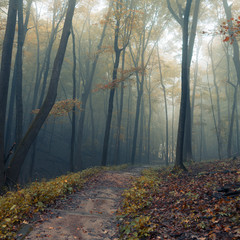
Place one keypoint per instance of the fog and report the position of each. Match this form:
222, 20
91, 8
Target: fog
142, 44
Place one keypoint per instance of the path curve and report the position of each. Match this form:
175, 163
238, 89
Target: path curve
89, 214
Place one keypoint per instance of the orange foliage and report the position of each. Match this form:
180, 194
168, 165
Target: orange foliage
233, 32
62, 108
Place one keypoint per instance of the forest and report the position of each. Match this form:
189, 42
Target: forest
137, 83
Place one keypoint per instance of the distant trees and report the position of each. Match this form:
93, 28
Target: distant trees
118, 14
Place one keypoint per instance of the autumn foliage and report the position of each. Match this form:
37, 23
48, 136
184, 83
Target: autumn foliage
230, 33
201, 204
63, 107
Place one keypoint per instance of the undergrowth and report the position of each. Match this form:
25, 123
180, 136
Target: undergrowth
18, 206
166, 205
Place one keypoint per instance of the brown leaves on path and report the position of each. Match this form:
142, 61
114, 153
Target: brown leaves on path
201, 204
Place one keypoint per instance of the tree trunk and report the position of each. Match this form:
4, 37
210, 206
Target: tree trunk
215, 122
19, 103
73, 110
218, 102
23, 147
230, 133
166, 108
184, 92
118, 140
4, 76
110, 101
9, 124
87, 89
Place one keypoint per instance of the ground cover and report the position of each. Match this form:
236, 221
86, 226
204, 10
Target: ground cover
203, 203
17, 207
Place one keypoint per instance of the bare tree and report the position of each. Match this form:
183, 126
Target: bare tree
17, 161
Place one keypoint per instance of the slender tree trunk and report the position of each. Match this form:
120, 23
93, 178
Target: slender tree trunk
19, 103
185, 89
149, 122
73, 110
218, 101
166, 108
230, 133
4, 77
140, 150
9, 123
110, 104
188, 122
117, 51
87, 90
19, 156
173, 111
201, 131
92, 122
118, 140
237, 128
215, 122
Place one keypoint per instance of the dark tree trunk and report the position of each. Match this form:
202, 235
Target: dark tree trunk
185, 89
118, 140
19, 103
4, 76
187, 151
110, 101
236, 61
9, 124
117, 52
141, 132
166, 108
73, 110
23, 147
230, 133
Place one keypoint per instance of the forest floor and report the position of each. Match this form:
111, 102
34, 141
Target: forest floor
201, 204
87, 214
148, 203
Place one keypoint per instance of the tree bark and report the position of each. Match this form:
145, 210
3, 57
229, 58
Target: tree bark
9, 124
4, 76
185, 89
73, 110
19, 103
166, 108
17, 161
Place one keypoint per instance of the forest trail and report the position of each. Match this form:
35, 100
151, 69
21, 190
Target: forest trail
87, 214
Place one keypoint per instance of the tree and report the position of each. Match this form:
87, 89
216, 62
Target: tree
187, 151
73, 109
17, 161
117, 51
236, 61
87, 88
165, 104
4, 77
140, 61
17, 80
184, 90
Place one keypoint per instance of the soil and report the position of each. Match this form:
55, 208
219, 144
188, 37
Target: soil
87, 214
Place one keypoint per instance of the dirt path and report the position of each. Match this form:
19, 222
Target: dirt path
88, 214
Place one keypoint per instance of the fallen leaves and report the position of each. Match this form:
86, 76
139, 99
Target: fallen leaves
184, 204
